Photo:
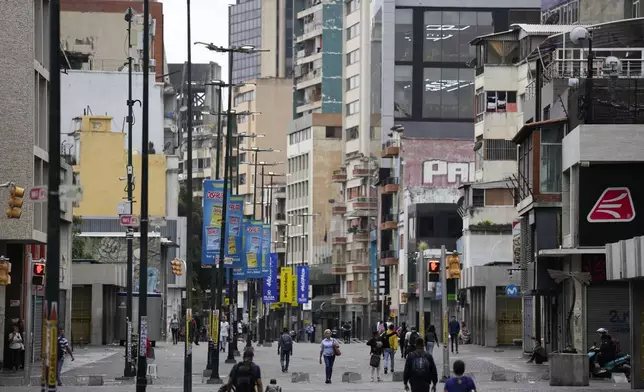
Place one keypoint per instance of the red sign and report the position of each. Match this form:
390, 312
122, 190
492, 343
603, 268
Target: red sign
129, 220
434, 266
614, 205
38, 193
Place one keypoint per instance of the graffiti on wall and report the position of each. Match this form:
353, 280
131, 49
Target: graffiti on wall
437, 163
451, 172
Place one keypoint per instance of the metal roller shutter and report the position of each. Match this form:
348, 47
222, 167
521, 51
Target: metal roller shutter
528, 344
509, 320
37, 328
607, 307
81, 315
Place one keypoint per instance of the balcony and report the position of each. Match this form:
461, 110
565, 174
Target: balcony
339, 209
357, 298
359, 266
361, 171
308, 79
391, 149
339, 175
361, 236
337, 299
364, 203
280, 218
389, 257
338, 269
338, 240
389, 222
390, 186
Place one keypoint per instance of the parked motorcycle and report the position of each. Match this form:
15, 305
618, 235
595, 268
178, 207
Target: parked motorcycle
621, 364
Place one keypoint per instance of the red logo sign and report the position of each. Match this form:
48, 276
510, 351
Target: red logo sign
614, 205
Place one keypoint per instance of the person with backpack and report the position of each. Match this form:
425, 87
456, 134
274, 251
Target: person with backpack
376, 354
402, 334
431, 338
273, 387
245, 375
285, 349
420, 370
460, 383
390, 346
410, 341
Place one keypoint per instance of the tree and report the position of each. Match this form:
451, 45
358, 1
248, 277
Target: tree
78, 243
200, 277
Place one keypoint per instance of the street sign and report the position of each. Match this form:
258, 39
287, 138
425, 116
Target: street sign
129, 220
511, 290
38, 193
124, 208
73, 193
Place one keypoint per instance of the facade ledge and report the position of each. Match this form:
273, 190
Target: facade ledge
312, 105
310, 10
338, 240
308, 58
338, 269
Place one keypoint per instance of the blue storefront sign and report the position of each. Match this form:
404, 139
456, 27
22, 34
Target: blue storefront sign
303, 284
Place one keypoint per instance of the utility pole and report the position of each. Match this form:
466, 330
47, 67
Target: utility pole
219, 132
52, 287
445, 312
141, 379
187, 366
260, 335
422, 283
129, 371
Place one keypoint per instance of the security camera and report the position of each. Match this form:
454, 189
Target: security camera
129, 14
612, 66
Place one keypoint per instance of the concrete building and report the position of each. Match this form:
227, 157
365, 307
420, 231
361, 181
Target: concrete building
588, 11
24, 161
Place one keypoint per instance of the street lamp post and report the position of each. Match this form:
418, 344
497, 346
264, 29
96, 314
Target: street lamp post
303, 237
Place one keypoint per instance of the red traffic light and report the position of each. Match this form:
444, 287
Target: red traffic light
39, 269
434, 266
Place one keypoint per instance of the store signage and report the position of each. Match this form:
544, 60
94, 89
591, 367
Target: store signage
614, 205
454, 171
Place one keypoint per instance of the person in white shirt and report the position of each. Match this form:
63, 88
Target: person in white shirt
224, 328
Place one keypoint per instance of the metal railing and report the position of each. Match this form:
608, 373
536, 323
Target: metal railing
391, 181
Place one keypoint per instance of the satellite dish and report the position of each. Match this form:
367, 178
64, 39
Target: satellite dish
579, 35
552, 19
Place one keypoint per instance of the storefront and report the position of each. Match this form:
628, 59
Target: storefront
509, 315
607, 306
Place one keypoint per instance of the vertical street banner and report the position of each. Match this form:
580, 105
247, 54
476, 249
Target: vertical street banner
303, 284
266, 248
269, 294
285, 284
234, 226
253, 249
242, 272
293, 291
213, 199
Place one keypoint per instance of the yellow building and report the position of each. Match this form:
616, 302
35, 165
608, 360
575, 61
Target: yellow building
100, 168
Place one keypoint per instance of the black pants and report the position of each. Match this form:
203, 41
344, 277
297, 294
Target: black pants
175, 335
454, 341
284, 360
16, 355
419, 386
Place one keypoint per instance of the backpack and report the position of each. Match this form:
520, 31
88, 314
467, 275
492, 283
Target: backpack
287, 343
273, 388
385, 340
412, 339
420, 367
616, 345
245, 380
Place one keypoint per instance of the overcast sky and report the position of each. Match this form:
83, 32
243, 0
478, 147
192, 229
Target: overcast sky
209, 24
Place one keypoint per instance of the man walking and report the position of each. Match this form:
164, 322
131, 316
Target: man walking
420, 369
454, 328
390, 345
245, 376
224, 329
63, 347
285, 349
174, 327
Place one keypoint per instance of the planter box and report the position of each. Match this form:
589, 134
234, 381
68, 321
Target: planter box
569, 370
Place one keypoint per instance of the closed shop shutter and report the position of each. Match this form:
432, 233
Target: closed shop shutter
509, 315
37, 328
81, 314
62, 307
528, 344
607, 307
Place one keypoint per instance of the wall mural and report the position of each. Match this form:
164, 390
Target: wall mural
114, 250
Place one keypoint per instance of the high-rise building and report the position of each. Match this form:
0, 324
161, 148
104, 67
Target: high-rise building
586, 12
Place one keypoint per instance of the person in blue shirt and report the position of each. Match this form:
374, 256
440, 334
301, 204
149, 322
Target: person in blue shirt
454, 328
460, 383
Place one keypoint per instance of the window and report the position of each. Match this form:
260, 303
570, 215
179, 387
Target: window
404, 35
353, 31
353, 57
499, 197
242, 179
551, 166
478, 151
448, 93
480, 105
353, 82
353, 107
525, 166
500, 150
352, 133
403, 91
333, 132
448, 34
242, 157
501, 101
478, 197
353, 6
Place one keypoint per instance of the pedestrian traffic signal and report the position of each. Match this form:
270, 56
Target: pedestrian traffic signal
453, 267
5, 271
177, 267
38, 277
16, 194
433, 269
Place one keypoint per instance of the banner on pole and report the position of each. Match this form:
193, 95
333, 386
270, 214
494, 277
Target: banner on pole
303, 284
253, 249
266, 248
234, 238
285, 284
213, 198
270, 280
293, 291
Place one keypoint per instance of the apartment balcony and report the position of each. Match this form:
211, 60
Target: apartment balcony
389, 222
338, 209
338, 240
309, 105
339, 175
362, 206
305, 57
390, 186
391, 149
358, 297
361, 236
310, 30
362, 171
312, 7
338, 299
359, 266
280, 219
389, 257
309, 79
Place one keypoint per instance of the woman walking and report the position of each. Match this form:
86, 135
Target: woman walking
430, 338
329, 349
16, 344
376, 353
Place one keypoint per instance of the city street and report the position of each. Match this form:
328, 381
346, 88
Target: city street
482, 364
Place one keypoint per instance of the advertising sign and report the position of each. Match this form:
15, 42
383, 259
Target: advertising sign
293, 291
266, 248
234, 221
285, 284
253, 249
213, 198
609, 198
270, 280
516, 241
303, 284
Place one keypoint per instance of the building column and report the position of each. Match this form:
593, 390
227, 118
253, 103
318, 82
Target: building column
97, 314
636, 311
490, 316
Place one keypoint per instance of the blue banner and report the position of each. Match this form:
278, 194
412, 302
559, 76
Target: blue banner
253, 249
266, 248
235, 233
271, 292
303, 284
213, 192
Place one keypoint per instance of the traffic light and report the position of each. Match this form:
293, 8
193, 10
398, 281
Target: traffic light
5, 271
38, 276
453, 267
16, 194
434, 269
177, 267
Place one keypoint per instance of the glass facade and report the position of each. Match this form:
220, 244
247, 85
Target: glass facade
376, 71
288, 23
245, 28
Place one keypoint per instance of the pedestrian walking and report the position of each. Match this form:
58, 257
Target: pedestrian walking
245, 376
420, 370
224, 330
454, 328
273, 387
285, 349
63, 348
17, 346
346, 331
410, 340
174, 327
431, 338
460, 383
329, 349
390, 346
376, 353
403, 338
